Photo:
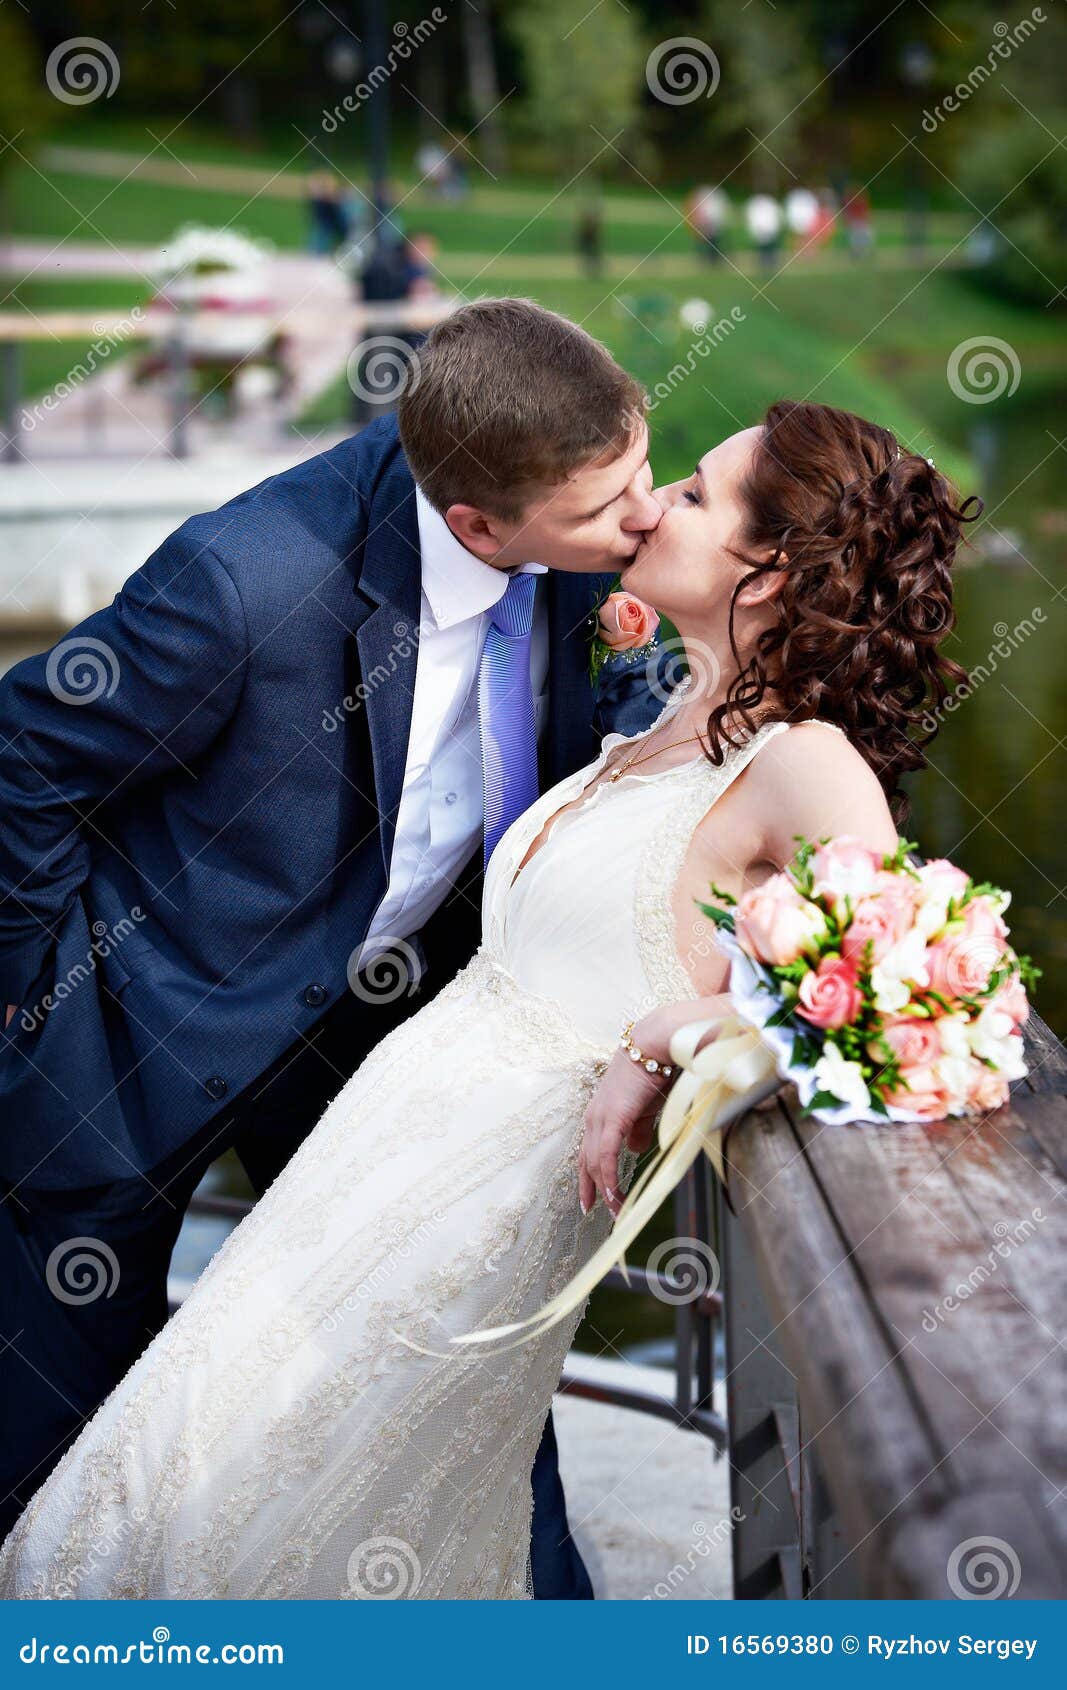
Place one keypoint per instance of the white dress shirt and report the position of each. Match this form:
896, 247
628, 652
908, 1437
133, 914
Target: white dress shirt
442, 807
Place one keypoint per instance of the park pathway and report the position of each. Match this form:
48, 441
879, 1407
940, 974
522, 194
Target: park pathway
106, 412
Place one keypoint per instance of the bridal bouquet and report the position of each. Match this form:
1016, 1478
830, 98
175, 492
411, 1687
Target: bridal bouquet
883, 990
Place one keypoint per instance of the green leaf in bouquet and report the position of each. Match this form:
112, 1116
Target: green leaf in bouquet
821, 1099
721, 918
781, 1017
899, 859
800, 870
807, 1049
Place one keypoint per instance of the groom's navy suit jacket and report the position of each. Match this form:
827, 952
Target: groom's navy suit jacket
196, 827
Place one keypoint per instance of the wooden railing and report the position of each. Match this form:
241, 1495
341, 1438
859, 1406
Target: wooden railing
895, 1321
894, 1304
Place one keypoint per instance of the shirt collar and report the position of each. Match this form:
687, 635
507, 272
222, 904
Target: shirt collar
457, 585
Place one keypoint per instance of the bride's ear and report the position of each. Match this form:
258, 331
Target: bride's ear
475, 530
765, 587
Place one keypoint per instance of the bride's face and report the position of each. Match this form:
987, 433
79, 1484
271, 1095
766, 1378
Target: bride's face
684, 567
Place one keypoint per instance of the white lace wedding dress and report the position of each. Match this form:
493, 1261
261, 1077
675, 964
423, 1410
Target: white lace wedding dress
281, 1437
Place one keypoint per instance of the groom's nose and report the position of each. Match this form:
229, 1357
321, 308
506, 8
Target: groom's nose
644, 514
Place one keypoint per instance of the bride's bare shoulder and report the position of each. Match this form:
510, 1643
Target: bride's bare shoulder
812, 781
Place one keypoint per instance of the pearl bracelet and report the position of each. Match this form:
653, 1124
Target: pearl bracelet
649, 1063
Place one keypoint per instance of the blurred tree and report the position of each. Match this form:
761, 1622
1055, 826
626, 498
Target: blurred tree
1017, 175
220, 58
997, 150
585, 82
23, 101
482, 84
771, 86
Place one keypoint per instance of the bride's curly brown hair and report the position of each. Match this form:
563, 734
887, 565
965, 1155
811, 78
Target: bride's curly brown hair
865, 534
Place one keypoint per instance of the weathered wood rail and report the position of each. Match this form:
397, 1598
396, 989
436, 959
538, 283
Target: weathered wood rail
896, 1310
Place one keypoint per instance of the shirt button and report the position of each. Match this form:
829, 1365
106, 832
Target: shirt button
216, 1087
314, 995
450, 797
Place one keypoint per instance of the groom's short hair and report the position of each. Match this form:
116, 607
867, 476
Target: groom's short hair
508, 398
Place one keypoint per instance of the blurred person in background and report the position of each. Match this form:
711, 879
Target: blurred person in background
763, 220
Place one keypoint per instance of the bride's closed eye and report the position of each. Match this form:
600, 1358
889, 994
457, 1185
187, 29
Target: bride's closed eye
692, 496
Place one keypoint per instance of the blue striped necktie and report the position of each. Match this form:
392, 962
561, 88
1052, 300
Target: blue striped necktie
505, 710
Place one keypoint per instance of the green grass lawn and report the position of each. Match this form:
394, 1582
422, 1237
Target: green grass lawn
865, 342
527, 216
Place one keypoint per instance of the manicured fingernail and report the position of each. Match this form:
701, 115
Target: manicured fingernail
583, 1205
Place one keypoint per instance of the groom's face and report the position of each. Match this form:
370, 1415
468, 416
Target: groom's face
591, 523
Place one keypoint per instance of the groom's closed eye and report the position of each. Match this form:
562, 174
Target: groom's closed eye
592, 515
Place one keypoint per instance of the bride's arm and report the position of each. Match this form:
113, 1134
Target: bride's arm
809, 782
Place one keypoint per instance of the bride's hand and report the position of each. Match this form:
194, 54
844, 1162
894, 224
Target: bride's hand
624, 1107
622, 1111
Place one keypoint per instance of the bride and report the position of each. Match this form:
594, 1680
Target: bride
302, 1428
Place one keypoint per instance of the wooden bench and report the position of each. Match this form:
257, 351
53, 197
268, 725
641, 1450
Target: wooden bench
896, 1309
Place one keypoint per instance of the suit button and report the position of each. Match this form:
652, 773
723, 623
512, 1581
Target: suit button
314, 995
216, 1087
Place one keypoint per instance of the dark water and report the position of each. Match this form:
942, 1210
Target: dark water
995, 795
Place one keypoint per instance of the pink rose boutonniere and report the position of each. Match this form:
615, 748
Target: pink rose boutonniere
625, 624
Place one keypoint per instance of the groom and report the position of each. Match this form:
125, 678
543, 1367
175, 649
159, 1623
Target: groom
243, 818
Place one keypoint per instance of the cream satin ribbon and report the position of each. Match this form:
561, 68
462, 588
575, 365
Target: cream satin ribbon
717, 1084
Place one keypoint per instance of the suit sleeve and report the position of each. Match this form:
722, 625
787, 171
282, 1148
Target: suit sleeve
136, 691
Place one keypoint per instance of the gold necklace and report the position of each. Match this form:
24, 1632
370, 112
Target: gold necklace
618, 773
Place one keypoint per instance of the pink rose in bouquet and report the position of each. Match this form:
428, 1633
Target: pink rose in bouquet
879, 921
961, 960
989, 1090
831, 996
775, 924
844, 868
1012, 1000
921, 1093
915, 1043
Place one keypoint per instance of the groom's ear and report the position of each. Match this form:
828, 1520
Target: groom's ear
482, 534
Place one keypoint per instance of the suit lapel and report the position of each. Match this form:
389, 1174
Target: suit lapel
389, 607
390, 586
572, 604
